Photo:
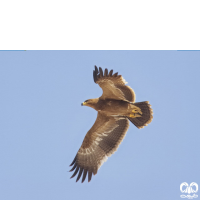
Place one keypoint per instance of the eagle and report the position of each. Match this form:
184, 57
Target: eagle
116, 107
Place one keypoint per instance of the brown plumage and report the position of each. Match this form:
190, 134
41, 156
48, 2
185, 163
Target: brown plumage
115, 108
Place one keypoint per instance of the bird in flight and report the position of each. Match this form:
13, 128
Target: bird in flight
116, 107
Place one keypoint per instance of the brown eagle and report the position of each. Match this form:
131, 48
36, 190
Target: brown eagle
115, 108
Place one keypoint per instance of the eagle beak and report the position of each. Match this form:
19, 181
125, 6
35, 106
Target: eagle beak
83, 103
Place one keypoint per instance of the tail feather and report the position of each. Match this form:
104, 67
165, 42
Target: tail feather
147, 115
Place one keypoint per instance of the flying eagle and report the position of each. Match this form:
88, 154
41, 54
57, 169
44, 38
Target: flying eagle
115, 109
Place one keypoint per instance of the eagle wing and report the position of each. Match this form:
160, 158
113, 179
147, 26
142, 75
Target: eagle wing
101, 141
113, 85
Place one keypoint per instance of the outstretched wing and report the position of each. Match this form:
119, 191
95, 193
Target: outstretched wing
101, 141
113, 86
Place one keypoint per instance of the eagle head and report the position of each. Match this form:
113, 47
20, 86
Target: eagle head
90, 102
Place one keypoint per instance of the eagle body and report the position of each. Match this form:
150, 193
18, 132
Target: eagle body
115, 109
112, 107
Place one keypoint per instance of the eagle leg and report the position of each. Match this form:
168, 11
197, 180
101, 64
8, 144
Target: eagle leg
135, 112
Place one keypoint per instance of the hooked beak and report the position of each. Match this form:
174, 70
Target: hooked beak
83, 103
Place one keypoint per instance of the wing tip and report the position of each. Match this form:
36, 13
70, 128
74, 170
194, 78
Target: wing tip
81, 171
73, 162
89, 176
98, 73
95, 73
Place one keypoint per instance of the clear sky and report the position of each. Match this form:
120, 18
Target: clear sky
42, 124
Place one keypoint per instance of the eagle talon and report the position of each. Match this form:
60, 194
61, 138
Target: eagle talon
137, 111
132, 116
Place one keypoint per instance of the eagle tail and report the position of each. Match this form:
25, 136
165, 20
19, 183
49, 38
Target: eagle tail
146, 116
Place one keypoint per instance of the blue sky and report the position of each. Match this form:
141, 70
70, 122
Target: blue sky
43, 124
